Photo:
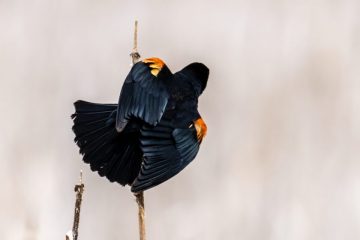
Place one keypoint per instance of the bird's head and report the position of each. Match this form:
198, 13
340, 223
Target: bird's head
199, 73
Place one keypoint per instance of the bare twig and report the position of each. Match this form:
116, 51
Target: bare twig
79, 189
135, 54
140, 201
140, 195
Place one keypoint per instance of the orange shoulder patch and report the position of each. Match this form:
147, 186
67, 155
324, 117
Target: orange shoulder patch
201, 129
155, 64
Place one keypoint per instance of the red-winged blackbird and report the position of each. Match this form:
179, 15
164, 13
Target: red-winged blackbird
152, 133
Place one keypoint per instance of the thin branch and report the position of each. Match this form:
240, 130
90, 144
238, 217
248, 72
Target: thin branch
140, 201
135, 54
135, 36
79, 189
140, 195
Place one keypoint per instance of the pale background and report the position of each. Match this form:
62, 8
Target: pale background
282, 157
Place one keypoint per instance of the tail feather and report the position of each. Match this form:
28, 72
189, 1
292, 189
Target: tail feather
114, 155
92, 108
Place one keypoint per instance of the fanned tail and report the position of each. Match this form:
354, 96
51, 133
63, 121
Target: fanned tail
114, 155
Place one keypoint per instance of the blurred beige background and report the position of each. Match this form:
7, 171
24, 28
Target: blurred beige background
281, 159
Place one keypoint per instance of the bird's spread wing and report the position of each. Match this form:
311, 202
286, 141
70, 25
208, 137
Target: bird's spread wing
144, 95
166, 152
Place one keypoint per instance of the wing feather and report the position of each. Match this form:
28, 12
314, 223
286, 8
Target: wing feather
166, 152
143, 96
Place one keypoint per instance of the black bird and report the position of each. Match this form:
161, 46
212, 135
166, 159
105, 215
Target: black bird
153, 132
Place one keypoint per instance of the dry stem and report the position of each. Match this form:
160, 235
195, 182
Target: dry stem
135, 54
140, 195
140, 201
79, 189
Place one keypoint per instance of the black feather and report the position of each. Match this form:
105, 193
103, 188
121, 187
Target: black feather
115, 155
145, 139
137, 98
